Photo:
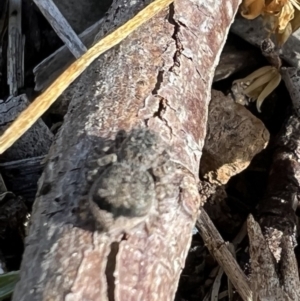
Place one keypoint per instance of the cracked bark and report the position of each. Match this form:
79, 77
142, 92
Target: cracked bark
159, 77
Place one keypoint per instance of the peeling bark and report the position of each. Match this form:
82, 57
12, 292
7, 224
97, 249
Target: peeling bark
158, 78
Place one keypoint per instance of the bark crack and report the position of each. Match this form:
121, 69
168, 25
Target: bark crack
175, 38
158, 82
162, 107
110, 269
160, 110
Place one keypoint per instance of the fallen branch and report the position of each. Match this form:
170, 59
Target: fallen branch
159, 79
218, 248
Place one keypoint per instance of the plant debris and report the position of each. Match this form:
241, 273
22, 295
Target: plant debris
281, 17
259, 84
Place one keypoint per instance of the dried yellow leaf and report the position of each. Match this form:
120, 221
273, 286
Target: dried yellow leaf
268, 89
285, 16
295, 23
253, 95
251, 9
274, 6
296, 3
283, 10
260, 81
281, 38
281, 17
260, 84
257, 73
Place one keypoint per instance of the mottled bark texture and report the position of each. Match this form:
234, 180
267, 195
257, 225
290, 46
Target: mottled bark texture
159, 77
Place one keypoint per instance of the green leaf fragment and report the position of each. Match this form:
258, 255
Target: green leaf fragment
7, 284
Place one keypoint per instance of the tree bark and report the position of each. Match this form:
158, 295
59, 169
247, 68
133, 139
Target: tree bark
158, 78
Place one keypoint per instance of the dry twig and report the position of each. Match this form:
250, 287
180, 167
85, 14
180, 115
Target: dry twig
61, 27
217, 246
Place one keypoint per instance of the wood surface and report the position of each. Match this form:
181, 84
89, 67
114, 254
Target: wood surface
159, 78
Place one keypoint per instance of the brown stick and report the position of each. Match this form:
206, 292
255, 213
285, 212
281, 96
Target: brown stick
218, 248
